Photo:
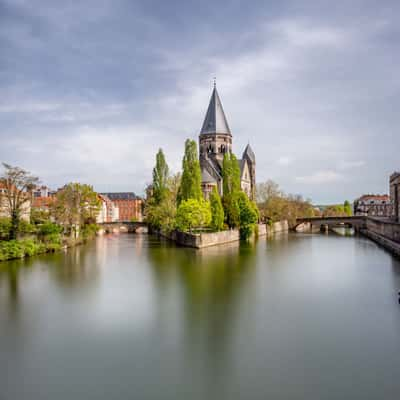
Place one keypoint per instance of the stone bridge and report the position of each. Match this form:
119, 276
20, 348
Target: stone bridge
326, 223
124, 226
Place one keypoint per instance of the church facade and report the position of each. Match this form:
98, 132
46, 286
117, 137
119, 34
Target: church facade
215, 140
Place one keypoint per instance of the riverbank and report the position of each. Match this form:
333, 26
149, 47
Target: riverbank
47, 239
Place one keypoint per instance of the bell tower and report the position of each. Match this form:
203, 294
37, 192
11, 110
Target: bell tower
215, 136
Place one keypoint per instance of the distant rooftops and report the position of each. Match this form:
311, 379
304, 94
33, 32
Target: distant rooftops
121, 196
380, 197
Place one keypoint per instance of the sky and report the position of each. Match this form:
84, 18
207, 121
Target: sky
91, 89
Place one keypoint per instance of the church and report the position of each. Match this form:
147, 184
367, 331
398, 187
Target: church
215, 140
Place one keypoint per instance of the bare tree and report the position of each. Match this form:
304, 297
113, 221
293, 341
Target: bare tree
17, 184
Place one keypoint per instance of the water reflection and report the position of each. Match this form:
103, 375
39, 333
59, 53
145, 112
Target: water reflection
210, 282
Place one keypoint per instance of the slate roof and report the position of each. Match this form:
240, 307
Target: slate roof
250, 153
215, 120
206, 177
121, 196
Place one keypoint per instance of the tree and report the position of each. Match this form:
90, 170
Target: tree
275, 205
161, 216
75, 206
248, 215
160, 177
17, 184
230, 174
193, 213
191, 174
347, 208
231, 189
217, 211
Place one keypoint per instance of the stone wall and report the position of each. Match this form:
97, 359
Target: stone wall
200, 240
387, 229
278, 227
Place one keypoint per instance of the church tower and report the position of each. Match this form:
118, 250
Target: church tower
215, 136
215, 140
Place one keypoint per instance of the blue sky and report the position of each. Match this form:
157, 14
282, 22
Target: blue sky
91, 89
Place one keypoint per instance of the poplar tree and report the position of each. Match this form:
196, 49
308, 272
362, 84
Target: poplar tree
230, 174
217, 211
160, 177
191, 175
231, 189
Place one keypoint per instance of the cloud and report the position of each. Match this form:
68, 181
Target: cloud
284, 161
320, 178
345, 165
91, 92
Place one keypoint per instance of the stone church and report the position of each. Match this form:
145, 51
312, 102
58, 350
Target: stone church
214, 141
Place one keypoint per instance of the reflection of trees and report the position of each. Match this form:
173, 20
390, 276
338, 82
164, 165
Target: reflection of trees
209, 280
78, 266
10, 274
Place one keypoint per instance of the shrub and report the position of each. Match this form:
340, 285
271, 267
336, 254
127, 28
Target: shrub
49, 228
248, 215
5, 225
193, 213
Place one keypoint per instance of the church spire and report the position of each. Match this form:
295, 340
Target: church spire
215, 120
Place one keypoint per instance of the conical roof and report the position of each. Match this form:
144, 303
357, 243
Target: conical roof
215, 120
248, 151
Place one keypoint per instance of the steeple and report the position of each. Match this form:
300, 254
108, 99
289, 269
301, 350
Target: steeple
215, 120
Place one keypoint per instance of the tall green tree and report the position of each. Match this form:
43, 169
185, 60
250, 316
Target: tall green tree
347, 208
217, 211
160, 177
17, 184
230, 174
191, 174
161, 216
231, 189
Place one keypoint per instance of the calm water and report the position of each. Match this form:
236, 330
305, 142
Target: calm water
130, 317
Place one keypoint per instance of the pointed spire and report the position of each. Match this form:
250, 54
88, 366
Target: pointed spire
215, 120
248, 151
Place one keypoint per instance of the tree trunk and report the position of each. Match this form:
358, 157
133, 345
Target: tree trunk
14, 225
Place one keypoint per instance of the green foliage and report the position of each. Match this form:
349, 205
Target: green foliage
39, 216
160, 177
49, 228
231, 210
347, 208
20, 248
248, 215
230, 174
26, 227
193, 213
5, 225
161, 216
190, 187
231, 189
89, 231
217, 211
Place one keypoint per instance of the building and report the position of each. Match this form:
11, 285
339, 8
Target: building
109, 212
215, 140
395, 194
129, 205
373, 205
43, 191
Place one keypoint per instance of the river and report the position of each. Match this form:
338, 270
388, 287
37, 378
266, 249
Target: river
131, 317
